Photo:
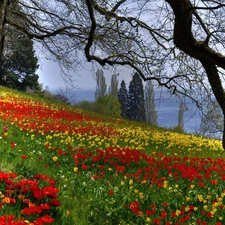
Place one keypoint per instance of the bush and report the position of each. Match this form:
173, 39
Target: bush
106, 105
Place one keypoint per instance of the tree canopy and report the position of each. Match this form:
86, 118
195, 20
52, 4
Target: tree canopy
179, 44
136, 102
123, 99
18, 64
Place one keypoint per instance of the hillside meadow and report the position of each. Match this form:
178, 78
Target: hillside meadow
61, 165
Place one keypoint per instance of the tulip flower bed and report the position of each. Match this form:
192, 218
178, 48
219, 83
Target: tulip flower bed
60, 165
33, 199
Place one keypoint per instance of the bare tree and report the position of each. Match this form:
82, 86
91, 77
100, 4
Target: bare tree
156, 38
175, 31
211, 120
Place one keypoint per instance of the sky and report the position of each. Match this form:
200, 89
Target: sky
49, 74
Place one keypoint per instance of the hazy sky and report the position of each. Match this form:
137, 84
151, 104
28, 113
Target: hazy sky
50, 75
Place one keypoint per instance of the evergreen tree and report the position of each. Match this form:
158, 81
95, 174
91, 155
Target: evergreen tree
123, 99
113, 89
136, 103
151, 113
101, 84
19, 63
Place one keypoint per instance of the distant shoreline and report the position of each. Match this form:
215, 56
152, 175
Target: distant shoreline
167, 107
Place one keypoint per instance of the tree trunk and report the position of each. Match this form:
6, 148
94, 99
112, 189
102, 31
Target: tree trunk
184, 39
216, 84
3, 7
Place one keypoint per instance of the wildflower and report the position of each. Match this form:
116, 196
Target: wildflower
200, 198
165, 183
23, 157
165, 204
214, 181
50, 191
177, 212
163, 214
147, 219
5, 128
55, 158
38, 194
141, 195
201, 184
75, 169
6, 200
131, 181
44, 219
13, 145
84, 167
110, 192
45, 206
55, 202
135, 207
156, 221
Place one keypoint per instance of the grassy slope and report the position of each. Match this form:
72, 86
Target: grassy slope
51, 135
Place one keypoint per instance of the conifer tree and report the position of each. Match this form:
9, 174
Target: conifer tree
19, 63
123, 98
136, 103
151, 113
101, 84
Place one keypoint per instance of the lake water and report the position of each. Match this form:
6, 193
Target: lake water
167, 107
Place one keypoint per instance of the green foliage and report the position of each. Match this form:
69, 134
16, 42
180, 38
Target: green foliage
123, 99
91, 106
106, 105
136, 104
111, 105
19, 63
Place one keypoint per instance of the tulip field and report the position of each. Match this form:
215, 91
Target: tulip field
61, 165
